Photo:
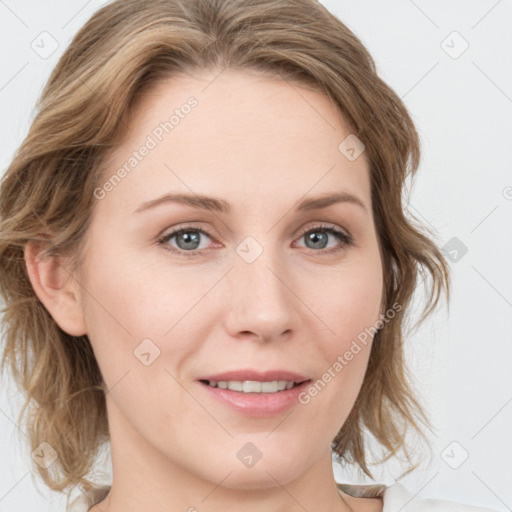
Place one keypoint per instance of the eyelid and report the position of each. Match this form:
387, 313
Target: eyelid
322, 225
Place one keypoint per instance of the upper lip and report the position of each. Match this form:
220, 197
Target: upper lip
256, 375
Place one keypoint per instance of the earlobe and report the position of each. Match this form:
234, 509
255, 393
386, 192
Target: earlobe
56, 289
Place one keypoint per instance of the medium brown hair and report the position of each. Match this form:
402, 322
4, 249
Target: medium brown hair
47, 196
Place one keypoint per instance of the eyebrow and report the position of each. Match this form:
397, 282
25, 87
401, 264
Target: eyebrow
222, 206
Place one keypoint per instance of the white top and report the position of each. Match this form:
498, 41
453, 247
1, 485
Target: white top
395, 497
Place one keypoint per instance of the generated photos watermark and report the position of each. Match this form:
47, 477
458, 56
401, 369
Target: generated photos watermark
151, 142
343, 360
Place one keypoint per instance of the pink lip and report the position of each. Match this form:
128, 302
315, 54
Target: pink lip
265, 376
257, 405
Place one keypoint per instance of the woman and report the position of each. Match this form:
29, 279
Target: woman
206, 263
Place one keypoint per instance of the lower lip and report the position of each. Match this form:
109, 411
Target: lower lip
259, 405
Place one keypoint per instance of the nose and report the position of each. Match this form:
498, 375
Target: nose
259, 299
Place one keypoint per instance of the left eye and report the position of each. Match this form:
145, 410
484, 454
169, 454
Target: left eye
312, 235
188, 239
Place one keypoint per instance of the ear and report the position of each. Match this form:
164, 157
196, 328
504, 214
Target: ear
56, 288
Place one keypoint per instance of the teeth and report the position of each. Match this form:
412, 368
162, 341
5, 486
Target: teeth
252, 386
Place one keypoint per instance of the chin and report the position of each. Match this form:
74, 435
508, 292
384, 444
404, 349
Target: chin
268, 472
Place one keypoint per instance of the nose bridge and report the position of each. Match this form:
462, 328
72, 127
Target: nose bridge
260, 299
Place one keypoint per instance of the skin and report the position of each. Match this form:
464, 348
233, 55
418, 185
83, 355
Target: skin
261, 145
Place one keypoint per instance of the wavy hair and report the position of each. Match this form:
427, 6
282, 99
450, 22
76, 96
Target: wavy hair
47, 197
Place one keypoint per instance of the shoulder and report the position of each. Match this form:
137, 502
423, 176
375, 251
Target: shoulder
394, 497
398, 497
87, 499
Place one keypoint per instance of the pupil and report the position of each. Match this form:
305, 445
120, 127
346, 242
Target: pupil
314, 238
189, 238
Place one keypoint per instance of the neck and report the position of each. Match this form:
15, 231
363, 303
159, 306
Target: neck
145, 479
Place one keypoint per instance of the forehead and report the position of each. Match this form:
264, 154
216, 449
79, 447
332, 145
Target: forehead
247, 134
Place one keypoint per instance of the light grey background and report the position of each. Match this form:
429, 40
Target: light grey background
462, 106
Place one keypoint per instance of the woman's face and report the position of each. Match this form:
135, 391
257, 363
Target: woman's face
266, 288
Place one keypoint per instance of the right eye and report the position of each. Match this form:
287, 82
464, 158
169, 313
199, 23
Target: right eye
187, 237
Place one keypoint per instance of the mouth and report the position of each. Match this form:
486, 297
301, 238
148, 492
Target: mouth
253, 386
255, 399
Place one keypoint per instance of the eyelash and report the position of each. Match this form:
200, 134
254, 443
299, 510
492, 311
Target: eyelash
345, 238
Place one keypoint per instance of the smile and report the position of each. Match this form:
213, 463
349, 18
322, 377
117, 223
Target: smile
253, 386
256, 399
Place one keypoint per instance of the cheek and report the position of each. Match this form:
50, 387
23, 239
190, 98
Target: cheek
349, 308
141, 318
128, 294
347, 300
137, 327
